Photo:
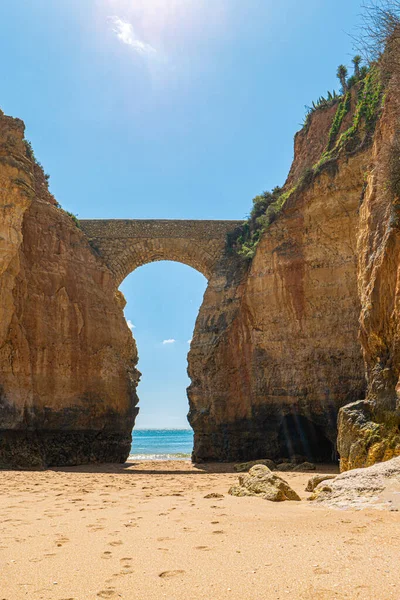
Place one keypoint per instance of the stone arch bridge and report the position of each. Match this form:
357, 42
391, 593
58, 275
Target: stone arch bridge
126, 244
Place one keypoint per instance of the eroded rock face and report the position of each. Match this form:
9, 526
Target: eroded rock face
275, 352
367, 434
261, 482
369, 431
67, 357
16, 193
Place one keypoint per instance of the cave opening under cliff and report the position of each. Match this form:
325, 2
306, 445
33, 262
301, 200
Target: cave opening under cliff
300, 436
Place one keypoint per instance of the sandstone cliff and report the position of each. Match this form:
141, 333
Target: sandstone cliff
284, 343
310, 330
67, 357
369, 430
275, 352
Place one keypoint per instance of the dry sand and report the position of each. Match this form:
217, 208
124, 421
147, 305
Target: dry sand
146, 531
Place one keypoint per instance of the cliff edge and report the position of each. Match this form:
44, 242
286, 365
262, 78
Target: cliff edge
67, 357
307, 328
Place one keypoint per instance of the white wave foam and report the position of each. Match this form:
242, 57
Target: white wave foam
178, 456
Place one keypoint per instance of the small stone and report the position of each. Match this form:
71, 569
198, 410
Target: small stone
297, 459
246, 466
316, 480
286, 466
305, 466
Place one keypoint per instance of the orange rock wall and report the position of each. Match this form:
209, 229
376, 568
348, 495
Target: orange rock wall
281, 339
67, 357
369, 431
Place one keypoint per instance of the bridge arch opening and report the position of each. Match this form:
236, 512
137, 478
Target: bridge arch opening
163, 301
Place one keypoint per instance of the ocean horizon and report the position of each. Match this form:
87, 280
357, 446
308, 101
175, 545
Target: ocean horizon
161, 444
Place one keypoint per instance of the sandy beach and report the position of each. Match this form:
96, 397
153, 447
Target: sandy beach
147, 530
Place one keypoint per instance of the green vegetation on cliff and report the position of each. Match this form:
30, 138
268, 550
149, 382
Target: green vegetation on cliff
31, 155
368, 98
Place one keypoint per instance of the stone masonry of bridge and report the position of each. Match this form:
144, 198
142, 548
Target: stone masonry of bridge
126, 244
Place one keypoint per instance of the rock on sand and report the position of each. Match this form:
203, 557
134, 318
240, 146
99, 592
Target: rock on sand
371, 487
260, 481
246, 466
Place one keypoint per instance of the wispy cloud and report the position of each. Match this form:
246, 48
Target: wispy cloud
189, 341
170, 341
130, 324
126, 34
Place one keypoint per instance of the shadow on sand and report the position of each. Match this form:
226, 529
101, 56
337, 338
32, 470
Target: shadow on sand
183, 467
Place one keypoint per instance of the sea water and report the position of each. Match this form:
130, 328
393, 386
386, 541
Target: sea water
161, 444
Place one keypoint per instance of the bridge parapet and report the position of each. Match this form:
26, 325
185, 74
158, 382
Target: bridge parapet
126, 244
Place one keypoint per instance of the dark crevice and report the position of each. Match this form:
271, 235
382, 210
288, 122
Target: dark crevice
298, 436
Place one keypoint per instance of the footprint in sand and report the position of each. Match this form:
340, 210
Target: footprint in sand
126, 563
213, 495
166, 574
116, 543
108, 593
61, 540
218, 531
322, 571
95, 527
204, 548
359, 529
125, 571
106, 555
126, 567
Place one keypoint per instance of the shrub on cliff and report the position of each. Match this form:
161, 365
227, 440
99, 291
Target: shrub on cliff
267, 206
73, 217
346, 82
379, 43
341, 74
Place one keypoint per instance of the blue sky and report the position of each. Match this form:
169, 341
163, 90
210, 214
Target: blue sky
167, 109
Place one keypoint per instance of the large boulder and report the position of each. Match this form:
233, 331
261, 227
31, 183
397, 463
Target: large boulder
373, 487
260, 481
293, 466
367, 435
305, 466
286, 466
